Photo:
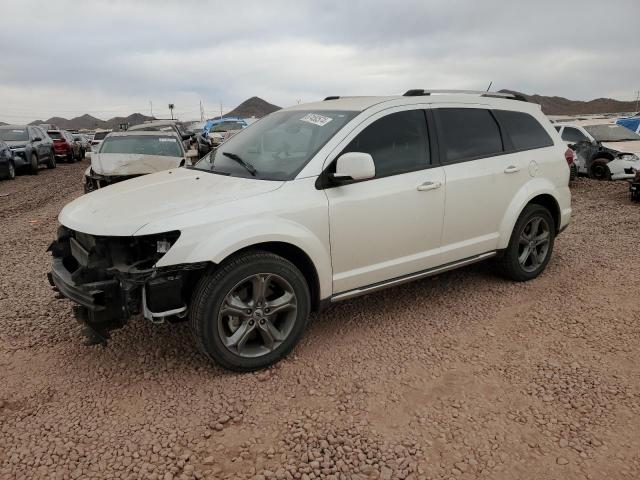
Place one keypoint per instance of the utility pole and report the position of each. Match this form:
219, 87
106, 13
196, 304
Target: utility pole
637, 98
220, 109
201, 112
171, 106
151, 107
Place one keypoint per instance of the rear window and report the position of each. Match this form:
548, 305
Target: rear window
142, 145
100, 135
467, 133
525, 132
54, 135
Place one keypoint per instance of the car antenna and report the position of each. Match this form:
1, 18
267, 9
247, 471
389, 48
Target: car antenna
490, 83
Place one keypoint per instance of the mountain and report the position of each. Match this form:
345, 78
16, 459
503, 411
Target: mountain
90, 122
253, 107
564, 106
2, 123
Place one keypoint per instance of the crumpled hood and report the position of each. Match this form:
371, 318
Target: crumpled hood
123, 208
131, 164
624, 147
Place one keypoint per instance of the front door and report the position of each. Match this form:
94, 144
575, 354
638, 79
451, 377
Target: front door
388, 226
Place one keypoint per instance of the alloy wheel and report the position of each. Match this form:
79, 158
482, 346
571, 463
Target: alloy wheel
533, 245
257, 315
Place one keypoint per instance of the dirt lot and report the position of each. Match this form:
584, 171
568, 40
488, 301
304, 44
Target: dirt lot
461, 376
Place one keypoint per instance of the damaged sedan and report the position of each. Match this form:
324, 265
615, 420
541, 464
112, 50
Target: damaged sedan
126, 155
605, 151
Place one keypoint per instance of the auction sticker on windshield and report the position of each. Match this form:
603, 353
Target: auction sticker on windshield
315, 119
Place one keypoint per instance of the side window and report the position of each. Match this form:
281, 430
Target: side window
398, 143
467, 133
525, 132
571, 134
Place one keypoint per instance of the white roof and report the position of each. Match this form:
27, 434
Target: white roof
359, 104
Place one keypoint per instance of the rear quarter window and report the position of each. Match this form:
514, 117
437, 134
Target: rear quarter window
523, 129
467, 133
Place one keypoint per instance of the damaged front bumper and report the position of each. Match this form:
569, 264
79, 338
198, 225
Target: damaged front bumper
94, 181
112, 279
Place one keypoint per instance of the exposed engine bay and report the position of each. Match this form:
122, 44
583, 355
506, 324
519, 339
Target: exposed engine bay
114, 278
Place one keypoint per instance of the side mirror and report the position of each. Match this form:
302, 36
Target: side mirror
353, 166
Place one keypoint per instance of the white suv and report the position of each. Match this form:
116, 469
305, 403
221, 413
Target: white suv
311, 205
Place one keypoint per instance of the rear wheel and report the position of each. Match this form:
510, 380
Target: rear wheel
33, 164
52, 160
599, 169
530, 246
250, 312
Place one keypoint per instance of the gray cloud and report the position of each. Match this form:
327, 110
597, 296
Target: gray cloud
111, 57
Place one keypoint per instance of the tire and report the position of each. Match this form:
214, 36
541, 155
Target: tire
510, 263
52, 160
11, 174
34, 164
599, 169
573, 172
235, 280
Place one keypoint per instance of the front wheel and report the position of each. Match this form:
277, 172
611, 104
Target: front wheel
251, 311
530, 246
599, 169
33, 164
11, 171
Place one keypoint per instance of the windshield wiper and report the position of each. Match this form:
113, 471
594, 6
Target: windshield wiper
250, 168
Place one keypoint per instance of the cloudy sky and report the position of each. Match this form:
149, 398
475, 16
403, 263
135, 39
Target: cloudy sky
114, 57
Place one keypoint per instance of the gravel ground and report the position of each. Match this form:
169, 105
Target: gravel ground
465, 375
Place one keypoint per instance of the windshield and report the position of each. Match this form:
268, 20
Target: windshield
54, 135
276, 147
611, 133
13, 134
100, 135
226, 126
142, 145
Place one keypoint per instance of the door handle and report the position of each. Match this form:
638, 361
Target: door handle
512, 169
429, 186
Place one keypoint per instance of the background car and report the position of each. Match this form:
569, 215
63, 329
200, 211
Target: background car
64, 145
7, 167
603, 151
31, 146
97, 139
218, 130
83, 141
167, 125
125, 155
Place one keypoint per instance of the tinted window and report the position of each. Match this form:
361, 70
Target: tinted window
100, 135
467, 133
524, 130
55, 135
570, 134
397, 143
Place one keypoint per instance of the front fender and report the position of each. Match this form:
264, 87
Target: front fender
217, 244
534, 188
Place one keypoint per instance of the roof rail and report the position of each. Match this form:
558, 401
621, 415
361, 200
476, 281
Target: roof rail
417, 92
331, 97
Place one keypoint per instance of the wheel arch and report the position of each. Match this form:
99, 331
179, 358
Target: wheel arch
298, 257
542, 195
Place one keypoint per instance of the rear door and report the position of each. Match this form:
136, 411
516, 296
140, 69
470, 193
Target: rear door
481, 178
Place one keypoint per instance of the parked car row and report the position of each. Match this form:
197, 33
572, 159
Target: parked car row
26, 147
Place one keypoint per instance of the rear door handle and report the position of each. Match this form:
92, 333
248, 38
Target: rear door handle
512, 169
429, 186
